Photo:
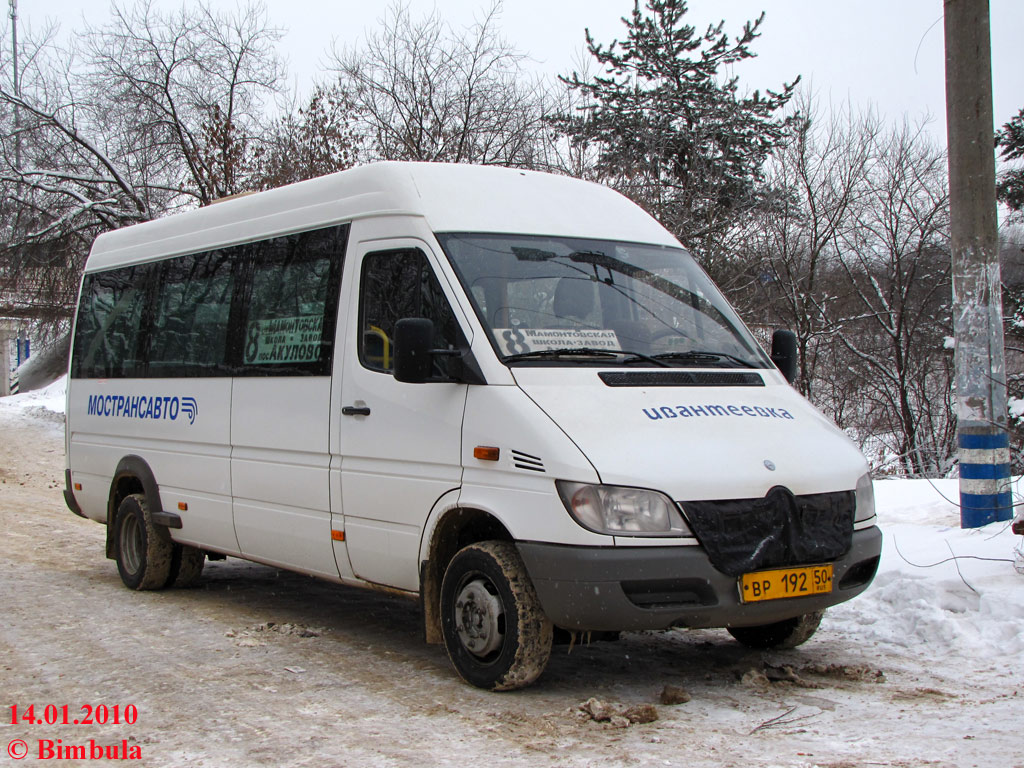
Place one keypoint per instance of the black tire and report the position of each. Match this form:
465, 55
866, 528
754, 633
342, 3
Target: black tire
186, 566
495, 632
788, 633
143, 550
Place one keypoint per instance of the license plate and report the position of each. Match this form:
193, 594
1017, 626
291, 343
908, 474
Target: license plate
785, 582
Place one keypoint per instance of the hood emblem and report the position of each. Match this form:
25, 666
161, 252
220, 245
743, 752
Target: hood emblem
769, 465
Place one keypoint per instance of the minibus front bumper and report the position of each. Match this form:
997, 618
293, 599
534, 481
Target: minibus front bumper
636, 588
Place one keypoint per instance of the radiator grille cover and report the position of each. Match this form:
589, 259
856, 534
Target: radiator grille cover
744, 535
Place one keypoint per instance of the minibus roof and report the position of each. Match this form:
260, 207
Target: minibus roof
450, 197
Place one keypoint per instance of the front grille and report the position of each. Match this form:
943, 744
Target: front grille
666, 593
744, 535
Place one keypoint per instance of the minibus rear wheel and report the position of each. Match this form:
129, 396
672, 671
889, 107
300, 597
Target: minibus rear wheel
494, 630
788, 633
186, 566
144, 550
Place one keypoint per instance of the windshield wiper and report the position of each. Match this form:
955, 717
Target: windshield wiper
541, 354
700, 356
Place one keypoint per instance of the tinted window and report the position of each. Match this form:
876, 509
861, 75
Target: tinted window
189, 333
291, 304
108, 342
398, 284
266, 308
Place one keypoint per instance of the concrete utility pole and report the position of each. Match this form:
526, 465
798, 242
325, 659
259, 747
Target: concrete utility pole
977, 297
8, 328
16, 83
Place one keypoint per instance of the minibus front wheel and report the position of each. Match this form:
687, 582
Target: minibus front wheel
495, 632
143, 550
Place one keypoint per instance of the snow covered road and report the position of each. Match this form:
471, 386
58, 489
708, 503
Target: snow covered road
261, 667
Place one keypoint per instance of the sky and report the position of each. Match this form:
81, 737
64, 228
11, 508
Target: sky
882, 54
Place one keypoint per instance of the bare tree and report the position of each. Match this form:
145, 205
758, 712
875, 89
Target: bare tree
425, 91
815, 180
310, 141
897, 316
854, 256
46, 231
191, 84
142, 115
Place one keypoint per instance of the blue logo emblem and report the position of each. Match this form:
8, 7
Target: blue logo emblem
143, 407
190, 408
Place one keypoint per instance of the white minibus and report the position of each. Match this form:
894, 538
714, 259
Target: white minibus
510, 395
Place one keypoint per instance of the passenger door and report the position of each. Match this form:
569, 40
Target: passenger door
281, 401
400, 443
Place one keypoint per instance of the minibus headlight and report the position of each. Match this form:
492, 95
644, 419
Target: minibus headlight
865, 499
620, 511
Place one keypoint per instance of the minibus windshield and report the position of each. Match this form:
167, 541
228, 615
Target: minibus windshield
564, 301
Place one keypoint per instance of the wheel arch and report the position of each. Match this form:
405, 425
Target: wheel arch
454, 528
133, 475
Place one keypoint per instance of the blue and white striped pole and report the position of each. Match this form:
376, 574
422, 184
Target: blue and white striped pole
984, 477
977, 291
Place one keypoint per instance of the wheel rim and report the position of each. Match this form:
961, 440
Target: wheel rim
131, 544
479, 617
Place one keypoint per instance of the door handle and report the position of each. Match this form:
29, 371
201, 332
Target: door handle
352, 410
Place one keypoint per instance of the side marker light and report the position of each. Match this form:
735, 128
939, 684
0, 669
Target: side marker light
486, 453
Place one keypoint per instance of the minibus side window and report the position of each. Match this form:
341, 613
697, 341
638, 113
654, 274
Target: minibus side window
108, 338
264, 308
291, 302
397, 284
190, 319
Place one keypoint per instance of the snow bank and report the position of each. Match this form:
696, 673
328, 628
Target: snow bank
955, 592
50, 398
45, 366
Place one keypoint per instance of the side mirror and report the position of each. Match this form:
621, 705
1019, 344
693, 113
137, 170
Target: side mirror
414, 337
784, 353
